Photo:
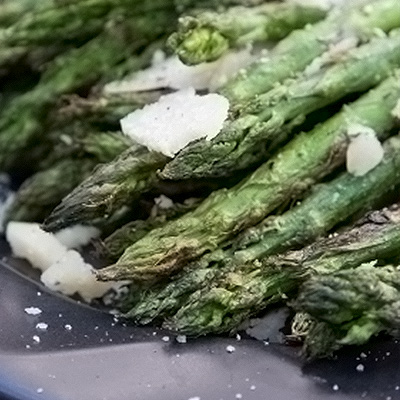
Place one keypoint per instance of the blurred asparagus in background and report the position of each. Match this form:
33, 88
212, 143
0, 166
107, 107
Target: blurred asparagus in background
207, 35
69, 72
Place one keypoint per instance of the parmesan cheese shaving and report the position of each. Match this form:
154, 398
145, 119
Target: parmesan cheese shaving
175, 120
172, 73
364, 152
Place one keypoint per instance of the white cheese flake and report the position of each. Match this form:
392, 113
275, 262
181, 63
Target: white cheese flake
175, 120
174, 74
364, 152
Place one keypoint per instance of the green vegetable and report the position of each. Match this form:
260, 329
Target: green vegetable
78, 21
111, 190
21, 122
43, 190
270, 118
209, 34
244, 288
222, 216
115, 244
350, 306
223, 289
359, 20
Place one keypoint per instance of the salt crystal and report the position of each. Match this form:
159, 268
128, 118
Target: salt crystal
33, 310
360, 368
335, 387
39, 390
238, 396
253, 387
36, 338
165, 338
230, 348
42, 326
194, 398
181, 339
68, 327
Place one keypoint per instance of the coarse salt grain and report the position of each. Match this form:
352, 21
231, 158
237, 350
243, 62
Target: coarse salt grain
360, 368
230, 348
42, 326
36, 338
165, 338
335, 387
33, 310
181, 339
68, 327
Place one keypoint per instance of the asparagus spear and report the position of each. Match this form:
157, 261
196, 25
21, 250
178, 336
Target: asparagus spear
351, 306
268, 121
11, 10
110, 189
103, 109
42, 191
76, 21
69, 163
227, 212
359, 21
115, 244
209, 34
21, 122
244, 287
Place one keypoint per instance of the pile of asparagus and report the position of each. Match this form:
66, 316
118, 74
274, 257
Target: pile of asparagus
279, 220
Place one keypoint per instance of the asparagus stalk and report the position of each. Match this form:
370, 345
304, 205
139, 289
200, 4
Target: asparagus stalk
76, 21
268, 121
115, 244
245, 287
227, 212
42, 191
350, 306
69, 163
11, 10
111, 189
185, 5
359, 21
101, 109
209, 34
20, 125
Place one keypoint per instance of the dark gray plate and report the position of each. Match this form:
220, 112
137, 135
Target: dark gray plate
99, 358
